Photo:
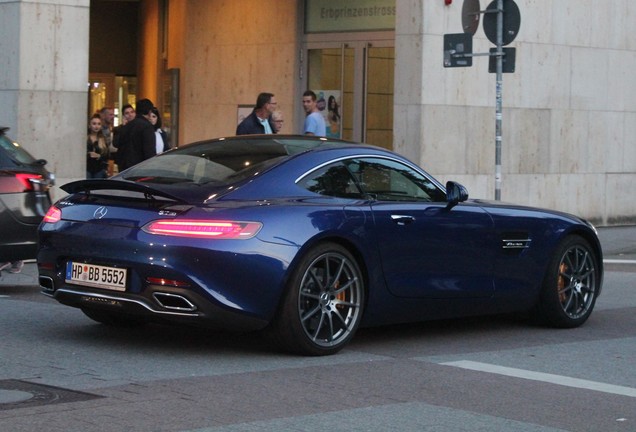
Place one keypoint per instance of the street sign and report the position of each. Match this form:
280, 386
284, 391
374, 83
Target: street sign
470, 16
507, 60
455, 46
511, 21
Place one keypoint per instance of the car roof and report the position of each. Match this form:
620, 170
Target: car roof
294, 143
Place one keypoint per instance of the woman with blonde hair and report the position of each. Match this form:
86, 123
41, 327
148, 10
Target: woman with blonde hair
96, 149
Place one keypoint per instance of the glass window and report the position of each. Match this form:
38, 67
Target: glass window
372, 178
388, 180
332, 180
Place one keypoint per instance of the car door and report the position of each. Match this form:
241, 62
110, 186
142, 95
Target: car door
427, 249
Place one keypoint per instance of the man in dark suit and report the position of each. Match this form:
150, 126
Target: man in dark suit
137, 137
259, 121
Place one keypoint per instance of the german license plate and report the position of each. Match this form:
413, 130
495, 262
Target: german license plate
111, 278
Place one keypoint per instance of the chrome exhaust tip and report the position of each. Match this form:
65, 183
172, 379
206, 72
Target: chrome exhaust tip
47, 285
174, 302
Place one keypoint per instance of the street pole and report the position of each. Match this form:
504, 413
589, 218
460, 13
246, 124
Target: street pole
498, 114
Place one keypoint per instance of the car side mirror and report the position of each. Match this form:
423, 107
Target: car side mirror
455, 193
41, 162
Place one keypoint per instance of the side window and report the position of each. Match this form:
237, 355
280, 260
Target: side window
387, 180
332, 180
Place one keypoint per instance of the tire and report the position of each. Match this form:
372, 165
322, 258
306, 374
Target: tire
323, 302
113, 319
571, 284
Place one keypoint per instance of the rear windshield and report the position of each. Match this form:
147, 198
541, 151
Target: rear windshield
220, 162
11, 152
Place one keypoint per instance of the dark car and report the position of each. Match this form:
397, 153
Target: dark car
307, 238
24, 199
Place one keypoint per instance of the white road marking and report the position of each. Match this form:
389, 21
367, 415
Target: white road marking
618, 261
544, 377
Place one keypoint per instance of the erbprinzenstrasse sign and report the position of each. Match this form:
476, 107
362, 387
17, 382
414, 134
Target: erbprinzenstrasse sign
323, 16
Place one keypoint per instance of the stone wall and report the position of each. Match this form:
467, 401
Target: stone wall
568, 110
43, 78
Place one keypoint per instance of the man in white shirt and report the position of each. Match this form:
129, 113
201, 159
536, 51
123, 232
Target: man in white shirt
314, 122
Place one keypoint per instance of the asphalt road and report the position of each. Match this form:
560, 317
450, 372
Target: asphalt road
59, 371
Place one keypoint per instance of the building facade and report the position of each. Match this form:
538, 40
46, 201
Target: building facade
567, 110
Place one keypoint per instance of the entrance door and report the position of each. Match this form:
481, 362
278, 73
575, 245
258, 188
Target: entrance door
354, 85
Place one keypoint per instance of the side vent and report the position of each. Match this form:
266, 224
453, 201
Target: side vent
513, 243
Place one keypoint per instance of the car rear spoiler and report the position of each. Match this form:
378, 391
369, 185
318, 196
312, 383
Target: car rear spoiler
87, 186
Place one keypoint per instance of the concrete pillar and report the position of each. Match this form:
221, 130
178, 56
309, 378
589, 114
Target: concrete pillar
43, 80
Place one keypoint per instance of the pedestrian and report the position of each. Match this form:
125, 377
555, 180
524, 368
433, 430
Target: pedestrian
259, 121
161, 137
277, 121
137, 138
107, 115
128, 114
96, 149
314, 122
12, 266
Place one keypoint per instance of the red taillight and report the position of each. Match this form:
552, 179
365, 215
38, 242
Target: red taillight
18, 182
25, 179
53, 215
204, 229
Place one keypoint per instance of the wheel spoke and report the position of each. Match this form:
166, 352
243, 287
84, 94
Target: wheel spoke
345, 303
564, 291
346, 286
341, 318
310, 314
330, 336
568, 301
336, 277
564, 271
587, 274
318, 327
316, 279
310, 295
587, 289
574, 302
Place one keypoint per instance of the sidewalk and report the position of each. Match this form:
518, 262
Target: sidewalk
619, 243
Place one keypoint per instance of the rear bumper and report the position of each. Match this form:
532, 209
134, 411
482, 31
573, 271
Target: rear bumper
158, 303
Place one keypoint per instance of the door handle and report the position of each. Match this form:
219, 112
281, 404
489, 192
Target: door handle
402, 219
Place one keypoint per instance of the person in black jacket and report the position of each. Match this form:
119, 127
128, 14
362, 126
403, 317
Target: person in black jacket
96, 150
260, 120
137, 138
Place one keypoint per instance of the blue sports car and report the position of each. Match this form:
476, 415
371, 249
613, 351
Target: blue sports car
309, 239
